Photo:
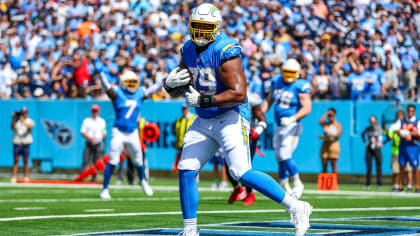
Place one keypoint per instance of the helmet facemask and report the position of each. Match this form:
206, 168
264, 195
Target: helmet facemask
131, 84
290, 76
202, 33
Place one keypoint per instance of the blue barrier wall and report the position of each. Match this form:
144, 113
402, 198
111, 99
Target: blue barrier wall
57, 134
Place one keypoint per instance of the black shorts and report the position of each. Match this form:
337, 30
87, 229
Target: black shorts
21, 150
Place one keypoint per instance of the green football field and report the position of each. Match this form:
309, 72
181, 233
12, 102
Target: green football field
29, 209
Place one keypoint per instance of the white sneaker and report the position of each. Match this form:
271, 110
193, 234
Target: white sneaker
299, 214
223, 186
146, 188
189, 232
214, 186
119, 182
297, 189
13, 180
285, 185
105, 194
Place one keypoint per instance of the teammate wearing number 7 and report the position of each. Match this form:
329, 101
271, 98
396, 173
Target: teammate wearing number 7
126, 100
292, 100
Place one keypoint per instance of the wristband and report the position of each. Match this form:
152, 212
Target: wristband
207, 101
260, 127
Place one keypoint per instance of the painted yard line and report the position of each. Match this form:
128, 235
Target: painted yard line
28, 208
99, 210
102, 200
175, 188
203, 212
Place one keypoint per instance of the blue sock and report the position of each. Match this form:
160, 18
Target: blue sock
291, 166
188, 193
264, 184
140, 172
109, 170
283, 173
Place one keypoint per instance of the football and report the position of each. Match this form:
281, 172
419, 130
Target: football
178, 91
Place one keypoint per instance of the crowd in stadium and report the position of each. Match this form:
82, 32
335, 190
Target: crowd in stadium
348, 49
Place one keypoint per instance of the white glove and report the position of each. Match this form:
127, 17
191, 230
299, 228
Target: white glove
404, 133
286, 121
192, 97
178, 77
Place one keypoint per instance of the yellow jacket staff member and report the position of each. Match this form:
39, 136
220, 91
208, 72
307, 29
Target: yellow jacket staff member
181, 126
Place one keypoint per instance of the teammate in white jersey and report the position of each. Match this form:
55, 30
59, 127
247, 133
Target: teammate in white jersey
219, 96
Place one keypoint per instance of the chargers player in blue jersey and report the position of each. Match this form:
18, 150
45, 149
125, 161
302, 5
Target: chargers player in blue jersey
218, 94
292, 102
126, 100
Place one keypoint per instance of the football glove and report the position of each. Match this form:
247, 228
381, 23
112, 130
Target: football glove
286, 121
255, 133
192, 97
177, 78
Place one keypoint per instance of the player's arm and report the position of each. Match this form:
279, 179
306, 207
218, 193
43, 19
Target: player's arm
262, 122
267, 102
108, 88
152, 89
306, 106
232, 76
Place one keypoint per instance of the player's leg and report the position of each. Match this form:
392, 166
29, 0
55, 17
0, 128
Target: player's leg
287, 147
115, 149
238, 193
250, 198
133, 149
238, 159
198, 148
282, 166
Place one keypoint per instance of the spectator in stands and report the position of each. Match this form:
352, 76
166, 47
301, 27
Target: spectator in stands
94, 131
372, 137
321, 84
330, 149
7, 78
22, 138
395, 166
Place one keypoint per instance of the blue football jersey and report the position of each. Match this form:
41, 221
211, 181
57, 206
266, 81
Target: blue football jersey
127, 109
205, 70
286, 96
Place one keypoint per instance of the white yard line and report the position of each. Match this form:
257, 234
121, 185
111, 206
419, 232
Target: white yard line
175, 188
28, 208
203, 212
102, 200
99, 210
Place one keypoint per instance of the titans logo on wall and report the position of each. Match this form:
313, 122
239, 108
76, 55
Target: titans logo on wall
59, 132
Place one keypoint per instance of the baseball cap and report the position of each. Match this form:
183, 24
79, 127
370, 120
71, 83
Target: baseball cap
184, 105
326, 37
95, 107
24, 109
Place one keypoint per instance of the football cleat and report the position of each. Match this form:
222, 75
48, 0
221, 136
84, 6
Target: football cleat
13, 180
249, 200
189, 232
214, 186
299, 214
146, 188
297, 189
238, 194
105, 194
223, 186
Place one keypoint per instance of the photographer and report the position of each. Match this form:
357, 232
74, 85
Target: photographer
22, 138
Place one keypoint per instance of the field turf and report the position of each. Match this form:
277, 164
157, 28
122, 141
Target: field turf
64, 210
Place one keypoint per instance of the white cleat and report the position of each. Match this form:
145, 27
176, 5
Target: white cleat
146, 188
299, 214
105, 194
13, 180
189, 232
297, 190
223, 186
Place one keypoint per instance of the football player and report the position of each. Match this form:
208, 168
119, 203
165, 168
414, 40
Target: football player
218, 94
292, 100
409, 131
126, 100
258, 124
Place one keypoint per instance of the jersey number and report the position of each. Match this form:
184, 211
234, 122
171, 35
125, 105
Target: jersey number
206, 78
131, 104
284, 98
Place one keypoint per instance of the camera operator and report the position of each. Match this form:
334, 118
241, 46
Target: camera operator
22, 138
